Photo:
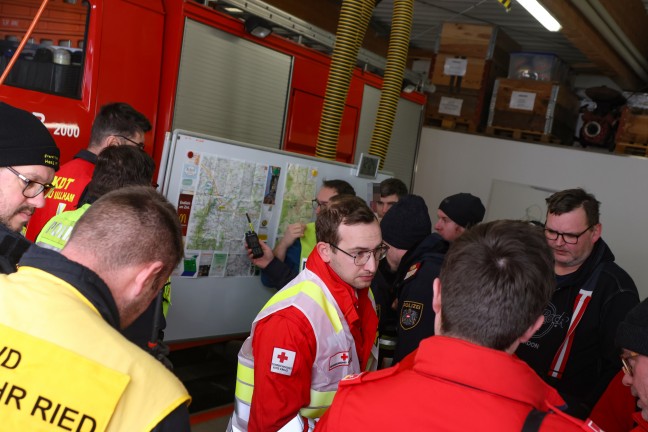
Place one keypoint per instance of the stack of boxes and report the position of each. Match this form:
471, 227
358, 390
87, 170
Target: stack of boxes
468, 59
632, 133
535, 101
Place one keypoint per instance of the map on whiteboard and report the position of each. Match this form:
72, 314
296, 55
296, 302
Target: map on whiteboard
223, 190
301, 183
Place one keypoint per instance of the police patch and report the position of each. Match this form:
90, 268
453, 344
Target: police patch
411, 313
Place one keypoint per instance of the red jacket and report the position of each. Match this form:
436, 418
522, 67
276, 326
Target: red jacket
70, 181
447, 385
278, 398
615, 411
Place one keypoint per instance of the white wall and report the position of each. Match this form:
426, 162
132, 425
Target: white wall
451, 162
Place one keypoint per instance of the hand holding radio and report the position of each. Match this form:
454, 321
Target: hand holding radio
252, 240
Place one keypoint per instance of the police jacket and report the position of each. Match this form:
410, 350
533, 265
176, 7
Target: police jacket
74, 369
592, 359
416, 272
12, 247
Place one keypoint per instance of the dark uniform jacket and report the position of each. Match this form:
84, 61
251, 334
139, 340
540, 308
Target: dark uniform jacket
594, 359
416, 272
12, 247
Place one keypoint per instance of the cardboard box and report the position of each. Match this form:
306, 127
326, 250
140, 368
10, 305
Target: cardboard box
546, 109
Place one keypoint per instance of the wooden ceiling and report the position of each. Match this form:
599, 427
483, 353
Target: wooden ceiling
587, 45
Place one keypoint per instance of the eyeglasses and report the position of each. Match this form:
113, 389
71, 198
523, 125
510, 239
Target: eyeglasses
362, 257
32, 187
625, 362
317, 203
135, 143
568, 238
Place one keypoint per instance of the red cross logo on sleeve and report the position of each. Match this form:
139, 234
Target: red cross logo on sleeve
282, 361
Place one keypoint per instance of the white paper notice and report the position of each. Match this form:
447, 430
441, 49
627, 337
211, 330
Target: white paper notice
522, 100
455, 66
450, 106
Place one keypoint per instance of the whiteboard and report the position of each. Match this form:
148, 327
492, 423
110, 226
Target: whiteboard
518, 201
199, 168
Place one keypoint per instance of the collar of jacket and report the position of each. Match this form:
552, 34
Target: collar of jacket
12, 247
86, 155
485, 369
87, 282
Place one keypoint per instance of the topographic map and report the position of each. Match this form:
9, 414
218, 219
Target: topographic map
226, 189
301, 183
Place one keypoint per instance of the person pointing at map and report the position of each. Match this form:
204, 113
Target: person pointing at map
280, 266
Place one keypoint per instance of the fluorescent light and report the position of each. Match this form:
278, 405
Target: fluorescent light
540, 13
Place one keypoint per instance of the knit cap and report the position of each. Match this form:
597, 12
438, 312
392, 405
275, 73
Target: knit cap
406, 223
464, 209
632, 332
24, 140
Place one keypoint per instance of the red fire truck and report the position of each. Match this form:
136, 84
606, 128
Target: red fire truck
85, 53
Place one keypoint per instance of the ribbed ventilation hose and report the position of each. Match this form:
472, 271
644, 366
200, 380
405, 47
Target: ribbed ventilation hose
393, 78
354, 20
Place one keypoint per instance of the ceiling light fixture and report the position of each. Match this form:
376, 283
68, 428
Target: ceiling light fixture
541, 14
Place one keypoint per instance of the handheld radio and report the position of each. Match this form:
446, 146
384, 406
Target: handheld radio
252, 240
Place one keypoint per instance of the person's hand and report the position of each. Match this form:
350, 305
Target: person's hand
263, 261
292, 233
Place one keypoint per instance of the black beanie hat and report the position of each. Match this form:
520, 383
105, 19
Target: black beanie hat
406, 223
632, 332
464, 209
24, 140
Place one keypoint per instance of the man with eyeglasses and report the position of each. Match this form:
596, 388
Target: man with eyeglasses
281, 265
28, 159
616, 411
316, 330
115, 124
574, 350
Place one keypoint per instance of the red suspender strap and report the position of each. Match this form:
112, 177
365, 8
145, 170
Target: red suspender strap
560, 359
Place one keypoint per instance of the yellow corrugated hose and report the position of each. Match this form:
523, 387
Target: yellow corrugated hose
393, 79
352, 26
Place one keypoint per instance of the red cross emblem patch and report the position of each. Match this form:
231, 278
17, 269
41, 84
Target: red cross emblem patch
339, 359
283, 361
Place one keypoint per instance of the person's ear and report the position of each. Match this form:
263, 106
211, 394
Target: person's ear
533, 329
148, 274
324, 251
596, 232
436, 295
